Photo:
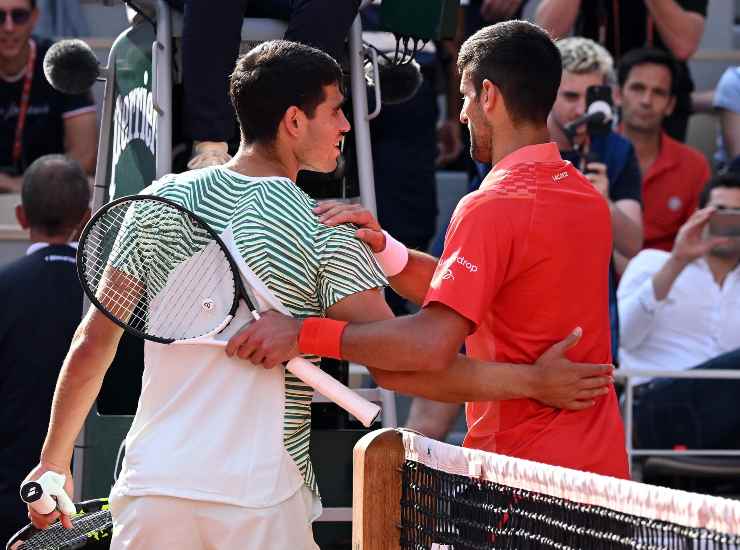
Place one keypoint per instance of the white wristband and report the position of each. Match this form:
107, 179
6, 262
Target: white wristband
394, 257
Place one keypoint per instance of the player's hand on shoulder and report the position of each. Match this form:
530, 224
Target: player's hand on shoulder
563, 384
43, 521
269, 341
333, 213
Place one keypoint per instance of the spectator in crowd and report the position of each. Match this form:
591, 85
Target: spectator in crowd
681, 310
42, 306
672, 25
35, 119
209, 116
673, 174
727, 103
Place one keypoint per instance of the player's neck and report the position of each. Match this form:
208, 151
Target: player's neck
258, 161
509, 140
11, 67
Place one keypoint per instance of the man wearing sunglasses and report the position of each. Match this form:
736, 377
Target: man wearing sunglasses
35, 119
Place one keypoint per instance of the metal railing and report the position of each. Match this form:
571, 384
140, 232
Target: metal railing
628, 375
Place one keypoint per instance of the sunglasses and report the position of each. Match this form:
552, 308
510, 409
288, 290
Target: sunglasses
19, 16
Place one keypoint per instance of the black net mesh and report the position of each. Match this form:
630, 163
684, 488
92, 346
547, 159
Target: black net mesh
445, 511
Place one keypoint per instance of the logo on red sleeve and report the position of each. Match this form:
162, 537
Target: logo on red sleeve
470, 266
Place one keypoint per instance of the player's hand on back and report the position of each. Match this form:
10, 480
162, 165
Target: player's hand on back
42, 521
333, 213
563, 384
270, 341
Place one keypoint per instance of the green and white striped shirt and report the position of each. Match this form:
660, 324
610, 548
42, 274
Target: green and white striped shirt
308, 266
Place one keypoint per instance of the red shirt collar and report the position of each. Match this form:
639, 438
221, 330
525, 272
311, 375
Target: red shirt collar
668, 156
541, 152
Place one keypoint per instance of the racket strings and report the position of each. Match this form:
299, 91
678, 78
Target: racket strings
87, 526
157, 269
200, 281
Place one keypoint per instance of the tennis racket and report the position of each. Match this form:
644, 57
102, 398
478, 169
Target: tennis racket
163, 274
92, 529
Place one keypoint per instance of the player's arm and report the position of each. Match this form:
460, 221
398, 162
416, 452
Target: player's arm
422, 349
80, 139
91, 353
557, 16
413, 281
552, 380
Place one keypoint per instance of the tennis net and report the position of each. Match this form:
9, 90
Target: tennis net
435, 496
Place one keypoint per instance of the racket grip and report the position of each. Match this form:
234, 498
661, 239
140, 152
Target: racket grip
359, 407
47, 493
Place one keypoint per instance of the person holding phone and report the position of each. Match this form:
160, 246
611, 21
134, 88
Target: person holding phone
681, 310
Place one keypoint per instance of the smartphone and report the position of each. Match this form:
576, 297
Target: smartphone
725, 223
602, 94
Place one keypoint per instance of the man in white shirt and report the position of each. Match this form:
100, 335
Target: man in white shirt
681, 310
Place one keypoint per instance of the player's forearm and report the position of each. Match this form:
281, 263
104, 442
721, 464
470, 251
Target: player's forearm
408, 343
77, 387
464, 381
557, 16
681, 30
413, 282
628, 237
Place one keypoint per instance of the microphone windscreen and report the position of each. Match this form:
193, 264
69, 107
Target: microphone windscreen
71, 67
398, 83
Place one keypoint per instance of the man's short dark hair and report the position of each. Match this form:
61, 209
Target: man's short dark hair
730, 180
55, 194
274, 76
522, 60
645, 56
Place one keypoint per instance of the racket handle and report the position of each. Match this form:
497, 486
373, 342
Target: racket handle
47, 493
359, 407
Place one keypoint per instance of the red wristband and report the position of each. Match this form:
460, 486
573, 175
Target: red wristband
322, 337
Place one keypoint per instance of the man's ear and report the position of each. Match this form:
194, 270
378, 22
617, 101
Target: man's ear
489, 95
20, 215
671, 105
293, 120
83, 222
34, 16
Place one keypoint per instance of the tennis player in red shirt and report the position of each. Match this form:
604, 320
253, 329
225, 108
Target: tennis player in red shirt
526, 259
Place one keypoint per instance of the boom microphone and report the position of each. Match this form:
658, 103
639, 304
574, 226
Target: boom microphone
398, 82
71, 67
599, 114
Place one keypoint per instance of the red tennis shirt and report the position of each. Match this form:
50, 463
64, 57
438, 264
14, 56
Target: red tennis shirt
526, 259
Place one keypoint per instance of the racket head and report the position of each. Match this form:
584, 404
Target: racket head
92, 528
157, 270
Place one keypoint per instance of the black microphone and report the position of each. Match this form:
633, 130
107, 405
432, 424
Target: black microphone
599, 113
71, 67
398, 82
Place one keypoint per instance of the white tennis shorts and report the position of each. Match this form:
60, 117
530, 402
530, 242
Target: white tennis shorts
146, 522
